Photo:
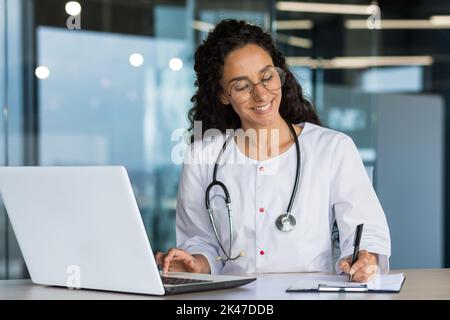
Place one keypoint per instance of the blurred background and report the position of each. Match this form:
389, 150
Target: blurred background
101, 82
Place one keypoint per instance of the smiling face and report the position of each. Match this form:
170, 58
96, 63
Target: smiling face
250, 64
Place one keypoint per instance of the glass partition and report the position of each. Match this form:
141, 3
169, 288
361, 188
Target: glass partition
111, 85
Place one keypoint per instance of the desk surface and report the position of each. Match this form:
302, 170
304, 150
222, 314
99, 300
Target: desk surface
419, 284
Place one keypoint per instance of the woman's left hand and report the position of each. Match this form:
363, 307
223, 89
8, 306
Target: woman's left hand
364, 269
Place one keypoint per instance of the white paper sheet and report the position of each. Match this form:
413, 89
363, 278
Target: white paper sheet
382, 282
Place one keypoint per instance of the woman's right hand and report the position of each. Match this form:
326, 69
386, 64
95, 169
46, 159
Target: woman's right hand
178, 260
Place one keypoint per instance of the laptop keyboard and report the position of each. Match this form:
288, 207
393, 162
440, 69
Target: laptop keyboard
172, 280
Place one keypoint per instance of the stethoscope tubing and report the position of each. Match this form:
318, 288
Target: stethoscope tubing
297, 174
227, 197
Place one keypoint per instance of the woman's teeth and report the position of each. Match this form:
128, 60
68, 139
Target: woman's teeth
262, 108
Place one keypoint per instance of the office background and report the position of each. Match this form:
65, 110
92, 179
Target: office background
109, 85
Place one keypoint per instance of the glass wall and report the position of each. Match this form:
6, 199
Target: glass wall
16, 97
379, 74
3, 219
111, 85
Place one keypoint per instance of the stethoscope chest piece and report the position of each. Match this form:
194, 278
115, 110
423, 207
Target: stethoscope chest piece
285, 222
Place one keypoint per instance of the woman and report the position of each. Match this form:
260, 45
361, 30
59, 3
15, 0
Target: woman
244, 83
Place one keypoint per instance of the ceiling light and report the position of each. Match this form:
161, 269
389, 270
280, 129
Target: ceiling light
202, 26
42, 72
176, 64
294, 41
136, 59
322, 8
360, 62
398, 24
73, 8
293, 24
440, 20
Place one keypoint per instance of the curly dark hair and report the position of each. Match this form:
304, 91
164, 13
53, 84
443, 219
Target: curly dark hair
227, 36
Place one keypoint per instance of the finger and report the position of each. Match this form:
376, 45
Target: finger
372, 269
359, 276
184, 260
364, 274
345, 266
367, 272
172, 254
167, 259
189, 263
360, 263
159, 258
365, 259
370, 276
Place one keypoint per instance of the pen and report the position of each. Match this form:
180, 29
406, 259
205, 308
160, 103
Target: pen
356, 243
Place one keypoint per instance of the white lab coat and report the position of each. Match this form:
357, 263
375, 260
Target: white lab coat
333, 186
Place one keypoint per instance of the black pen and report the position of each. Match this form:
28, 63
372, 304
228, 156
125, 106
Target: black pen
356, 243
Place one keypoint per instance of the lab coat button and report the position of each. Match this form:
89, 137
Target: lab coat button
261, 252
261, 210
261, 169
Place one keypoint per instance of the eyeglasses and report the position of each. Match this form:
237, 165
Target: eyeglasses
242, 90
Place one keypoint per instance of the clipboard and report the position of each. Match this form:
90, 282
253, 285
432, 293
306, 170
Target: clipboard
323, 287
388, 284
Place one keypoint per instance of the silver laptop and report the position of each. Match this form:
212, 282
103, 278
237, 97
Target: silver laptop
80, 227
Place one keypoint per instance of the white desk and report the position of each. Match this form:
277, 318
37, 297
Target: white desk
419, 284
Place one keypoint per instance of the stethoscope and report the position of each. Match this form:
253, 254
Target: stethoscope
285, 222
